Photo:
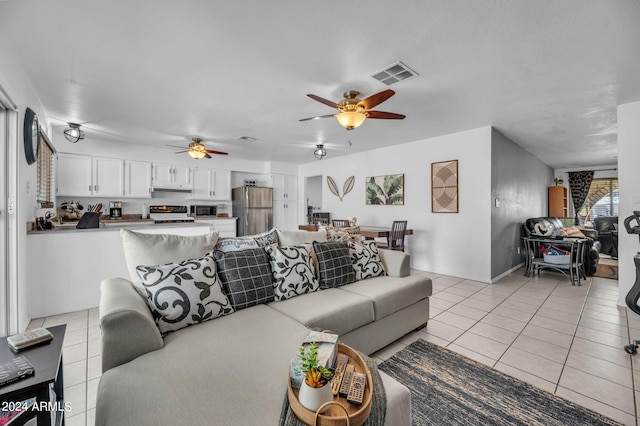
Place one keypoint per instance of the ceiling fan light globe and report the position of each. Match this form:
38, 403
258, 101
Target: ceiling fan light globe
350, 120
197, 154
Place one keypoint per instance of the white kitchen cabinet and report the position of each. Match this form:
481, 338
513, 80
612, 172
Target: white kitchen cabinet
108, 177
226, 228
209, 184
166, 175
137, 179
87, 176
285, 214
73, 175
285, 187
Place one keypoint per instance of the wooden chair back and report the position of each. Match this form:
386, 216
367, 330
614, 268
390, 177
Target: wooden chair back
340, 223
396, 235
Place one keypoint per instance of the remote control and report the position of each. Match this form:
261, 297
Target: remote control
356, 389
346, 380
341, 365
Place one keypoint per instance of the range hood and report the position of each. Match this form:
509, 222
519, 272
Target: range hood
171, 189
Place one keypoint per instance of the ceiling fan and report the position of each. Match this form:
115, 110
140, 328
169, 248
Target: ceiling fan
197, 150
353, 111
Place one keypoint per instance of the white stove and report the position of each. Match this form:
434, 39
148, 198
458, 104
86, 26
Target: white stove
169, 214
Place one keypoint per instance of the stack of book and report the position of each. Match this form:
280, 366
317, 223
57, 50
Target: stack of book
29, 338
16, 369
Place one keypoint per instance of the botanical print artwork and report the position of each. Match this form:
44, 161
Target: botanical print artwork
444, 187
387, 190
347, 187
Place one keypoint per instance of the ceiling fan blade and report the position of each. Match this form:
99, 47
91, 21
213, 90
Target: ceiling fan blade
385, 115
175, 146
207, 156
315, 118
377, 99
180, 152
211, 151
323, 100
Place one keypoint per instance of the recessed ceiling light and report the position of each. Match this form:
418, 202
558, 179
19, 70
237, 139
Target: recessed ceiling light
395, 73
247, 138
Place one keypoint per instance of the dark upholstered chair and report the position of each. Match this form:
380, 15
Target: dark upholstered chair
396, 236
340, 223
607, 234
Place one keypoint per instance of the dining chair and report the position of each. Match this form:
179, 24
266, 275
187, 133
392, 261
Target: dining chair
318, 221
340, 223
395, 241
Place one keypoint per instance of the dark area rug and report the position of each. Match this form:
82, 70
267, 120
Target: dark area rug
450, 389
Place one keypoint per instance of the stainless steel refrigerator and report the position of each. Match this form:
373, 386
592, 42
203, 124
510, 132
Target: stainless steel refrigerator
253, 205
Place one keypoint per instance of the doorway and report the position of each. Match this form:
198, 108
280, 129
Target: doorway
313, 195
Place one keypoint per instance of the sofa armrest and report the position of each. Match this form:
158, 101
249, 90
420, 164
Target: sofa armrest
127, 325
396, 263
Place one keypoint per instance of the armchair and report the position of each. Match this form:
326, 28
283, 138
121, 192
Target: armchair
607, 234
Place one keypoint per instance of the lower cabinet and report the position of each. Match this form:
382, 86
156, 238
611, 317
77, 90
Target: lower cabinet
285, 214
225, 228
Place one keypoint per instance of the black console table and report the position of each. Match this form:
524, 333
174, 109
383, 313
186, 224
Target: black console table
46, 384
534, 261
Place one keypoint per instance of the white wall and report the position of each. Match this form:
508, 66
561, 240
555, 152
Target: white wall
629, 181
452, 244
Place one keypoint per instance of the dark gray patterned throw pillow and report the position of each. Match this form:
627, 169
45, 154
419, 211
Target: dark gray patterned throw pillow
334, 264
293, 271
184, 293
366, 260
246, 277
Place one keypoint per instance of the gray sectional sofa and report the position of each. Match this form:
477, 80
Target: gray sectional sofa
233, 370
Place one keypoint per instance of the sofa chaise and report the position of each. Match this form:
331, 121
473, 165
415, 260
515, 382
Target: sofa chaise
232, 370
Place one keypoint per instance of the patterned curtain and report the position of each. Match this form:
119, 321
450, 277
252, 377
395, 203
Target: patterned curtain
579, 184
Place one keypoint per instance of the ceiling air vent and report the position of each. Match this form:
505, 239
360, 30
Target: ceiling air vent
395, 73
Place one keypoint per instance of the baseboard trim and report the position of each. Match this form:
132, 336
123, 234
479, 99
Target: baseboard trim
504, 274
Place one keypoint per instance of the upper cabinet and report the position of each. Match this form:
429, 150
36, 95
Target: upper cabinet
86, 176
285, 187
137, 179
210, 184
171, 176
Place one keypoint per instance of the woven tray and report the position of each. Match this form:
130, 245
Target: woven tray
334, 416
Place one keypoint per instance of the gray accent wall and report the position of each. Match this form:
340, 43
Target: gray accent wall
519, 182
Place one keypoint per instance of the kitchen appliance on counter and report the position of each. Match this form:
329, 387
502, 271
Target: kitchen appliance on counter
253, 205
201, 210
115, 209
167, 214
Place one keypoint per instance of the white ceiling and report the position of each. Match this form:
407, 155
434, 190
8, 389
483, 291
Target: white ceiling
546, 73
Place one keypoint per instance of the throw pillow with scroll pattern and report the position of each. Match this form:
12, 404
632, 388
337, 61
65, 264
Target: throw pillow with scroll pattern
293, 271
269, 238
184, 293
366, 260
334, 264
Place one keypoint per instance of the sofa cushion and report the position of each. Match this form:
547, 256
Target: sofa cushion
199, 377
570, 231
184, 293
366, 260
332, 309
293, 271
296, 238
391, 294
158, 249
246, 277
334, 264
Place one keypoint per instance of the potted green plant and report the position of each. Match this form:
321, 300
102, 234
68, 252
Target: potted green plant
558, 181
315, 389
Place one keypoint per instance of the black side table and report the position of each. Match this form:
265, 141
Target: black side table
47, 362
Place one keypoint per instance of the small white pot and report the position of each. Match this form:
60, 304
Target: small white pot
313, 398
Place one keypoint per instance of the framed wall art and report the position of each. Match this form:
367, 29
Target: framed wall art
444, 187
385, 190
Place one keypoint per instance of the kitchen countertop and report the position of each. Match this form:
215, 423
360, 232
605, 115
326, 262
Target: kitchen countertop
132, 224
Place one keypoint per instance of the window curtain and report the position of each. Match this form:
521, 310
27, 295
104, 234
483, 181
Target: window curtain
579, 184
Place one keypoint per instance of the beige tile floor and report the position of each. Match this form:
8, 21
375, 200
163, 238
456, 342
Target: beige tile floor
566, 340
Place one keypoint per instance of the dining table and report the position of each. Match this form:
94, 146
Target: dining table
367, 231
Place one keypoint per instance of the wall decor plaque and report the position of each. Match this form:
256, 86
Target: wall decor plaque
444, 187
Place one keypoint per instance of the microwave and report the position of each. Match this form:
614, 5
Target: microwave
200, 210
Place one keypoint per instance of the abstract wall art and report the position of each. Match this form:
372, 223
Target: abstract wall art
444, 187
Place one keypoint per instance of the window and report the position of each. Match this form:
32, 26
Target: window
602, 200
46, 169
